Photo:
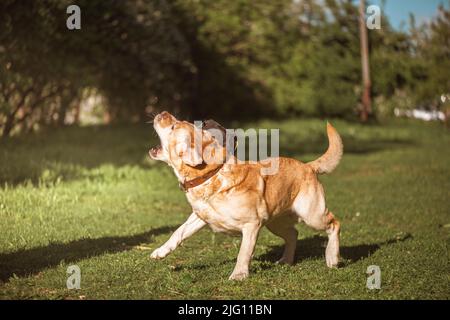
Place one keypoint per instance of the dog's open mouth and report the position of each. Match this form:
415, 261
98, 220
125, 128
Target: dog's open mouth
154, 151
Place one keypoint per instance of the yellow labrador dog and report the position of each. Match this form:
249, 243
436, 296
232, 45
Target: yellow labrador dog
236, 197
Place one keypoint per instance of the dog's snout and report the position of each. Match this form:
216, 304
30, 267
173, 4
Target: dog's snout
164, 119
162, 116
165, 115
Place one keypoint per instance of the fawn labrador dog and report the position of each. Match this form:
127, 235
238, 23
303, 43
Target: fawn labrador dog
235, 197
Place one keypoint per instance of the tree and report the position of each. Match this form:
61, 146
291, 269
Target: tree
366, 109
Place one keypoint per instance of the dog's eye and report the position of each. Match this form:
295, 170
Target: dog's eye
171, 128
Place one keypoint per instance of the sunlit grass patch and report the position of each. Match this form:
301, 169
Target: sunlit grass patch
90, 196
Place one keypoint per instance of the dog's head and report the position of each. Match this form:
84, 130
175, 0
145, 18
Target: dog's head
190, 150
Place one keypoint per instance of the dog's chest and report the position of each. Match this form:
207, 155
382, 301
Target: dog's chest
222, 221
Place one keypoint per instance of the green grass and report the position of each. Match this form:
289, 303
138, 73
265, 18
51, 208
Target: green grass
89, 196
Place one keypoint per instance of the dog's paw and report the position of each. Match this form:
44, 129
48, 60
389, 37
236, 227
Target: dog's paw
238, 276
159, 253
332, 254
332, 260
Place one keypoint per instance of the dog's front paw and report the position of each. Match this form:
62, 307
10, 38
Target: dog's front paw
239, 276
332, 255
332, 259
159, 253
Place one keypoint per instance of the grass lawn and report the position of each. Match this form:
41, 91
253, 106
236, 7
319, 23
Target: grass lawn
91, 197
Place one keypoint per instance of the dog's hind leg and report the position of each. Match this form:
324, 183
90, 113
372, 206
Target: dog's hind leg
332, 250
283, 227
328, 222
310, 207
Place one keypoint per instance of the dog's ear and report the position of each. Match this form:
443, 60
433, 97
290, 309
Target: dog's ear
216, 130
214, 151
226, 139
189, 147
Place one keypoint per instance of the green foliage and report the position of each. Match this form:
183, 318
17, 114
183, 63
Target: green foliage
434, 44
90, 196
222, 59
294, 59
129, 52
407, 68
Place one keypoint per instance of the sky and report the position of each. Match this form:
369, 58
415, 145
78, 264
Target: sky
398, 10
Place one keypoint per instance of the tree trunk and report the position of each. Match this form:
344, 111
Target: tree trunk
366, 110
67, 101
62, 111
8, 125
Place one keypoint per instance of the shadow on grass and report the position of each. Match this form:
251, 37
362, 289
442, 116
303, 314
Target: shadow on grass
314, 248
309, 248
31, 261
28, 262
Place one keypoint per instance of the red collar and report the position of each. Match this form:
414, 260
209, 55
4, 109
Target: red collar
185, 186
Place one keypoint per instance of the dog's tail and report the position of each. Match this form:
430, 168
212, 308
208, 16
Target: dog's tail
330, 159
